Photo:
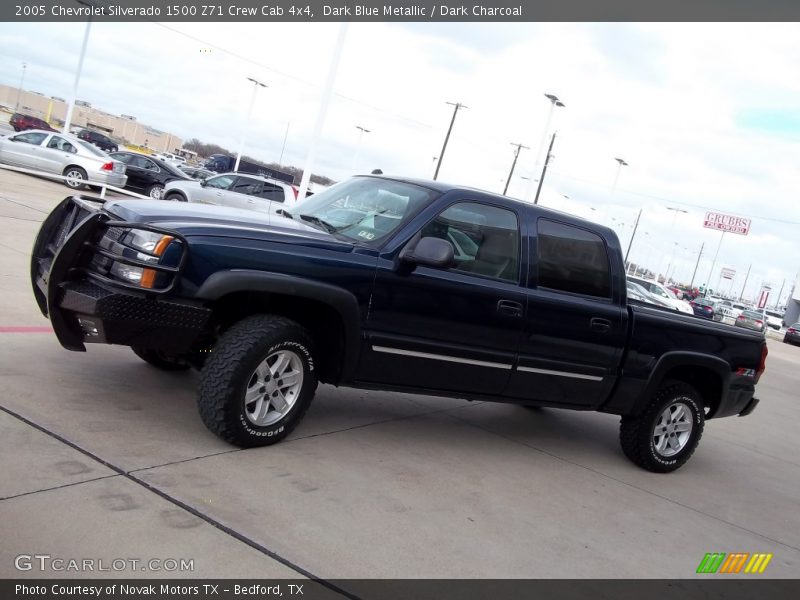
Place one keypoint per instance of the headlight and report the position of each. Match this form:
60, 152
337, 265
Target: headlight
148, 241
152, 246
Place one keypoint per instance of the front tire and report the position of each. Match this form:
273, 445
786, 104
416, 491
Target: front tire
175, 197
258, 382
666, 434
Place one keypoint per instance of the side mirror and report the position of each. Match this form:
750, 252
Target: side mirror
203, 182
430, 252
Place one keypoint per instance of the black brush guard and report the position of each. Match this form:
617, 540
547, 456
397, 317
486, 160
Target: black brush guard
84, 305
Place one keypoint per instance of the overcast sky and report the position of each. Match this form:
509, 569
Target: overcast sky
706, 115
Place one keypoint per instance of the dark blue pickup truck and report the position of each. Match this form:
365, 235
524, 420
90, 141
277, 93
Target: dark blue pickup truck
395, 284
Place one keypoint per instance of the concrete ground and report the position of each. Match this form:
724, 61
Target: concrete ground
104, 457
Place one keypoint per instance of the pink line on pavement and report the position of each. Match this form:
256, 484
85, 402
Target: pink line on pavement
25, 329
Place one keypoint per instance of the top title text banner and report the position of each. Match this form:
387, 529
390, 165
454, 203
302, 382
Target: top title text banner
403, 10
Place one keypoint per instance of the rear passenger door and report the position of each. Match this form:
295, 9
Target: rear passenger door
244, 194
56, 154
575, 325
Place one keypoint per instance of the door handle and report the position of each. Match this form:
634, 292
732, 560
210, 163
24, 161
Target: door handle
219, 193
600, 325
251, 201
510, 308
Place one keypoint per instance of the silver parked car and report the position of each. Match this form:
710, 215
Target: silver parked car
236, 190
751, 319
62, 154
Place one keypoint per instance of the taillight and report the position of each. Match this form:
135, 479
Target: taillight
296, 192
109, 166
762, 366
759, 322
791, 330
740, 318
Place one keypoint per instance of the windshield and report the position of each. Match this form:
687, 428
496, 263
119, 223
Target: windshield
364, 209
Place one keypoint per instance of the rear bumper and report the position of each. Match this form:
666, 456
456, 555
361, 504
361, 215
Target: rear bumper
751, 406
115, 179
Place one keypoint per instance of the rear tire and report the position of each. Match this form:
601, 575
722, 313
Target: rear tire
666, 434
258, 382
160, 360
156, 191
76, 177
175, 197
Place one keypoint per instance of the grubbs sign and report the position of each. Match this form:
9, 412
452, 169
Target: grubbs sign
727, 223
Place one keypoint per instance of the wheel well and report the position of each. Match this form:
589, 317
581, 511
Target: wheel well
68, 167
321, 320
707, 383
176, 193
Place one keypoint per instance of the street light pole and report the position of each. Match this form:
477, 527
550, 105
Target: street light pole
713, 264
457, 106
633, 235
361, 132
697, 264
71, 108
554, 102
746, 277
283, 147
256, 85
21, 83
544, 168
513, 164
621, 164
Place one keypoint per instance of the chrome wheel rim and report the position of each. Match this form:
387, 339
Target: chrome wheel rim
156, 193
673, 429
73, 179
273, 388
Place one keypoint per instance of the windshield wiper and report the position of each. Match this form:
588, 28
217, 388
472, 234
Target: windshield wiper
317, 221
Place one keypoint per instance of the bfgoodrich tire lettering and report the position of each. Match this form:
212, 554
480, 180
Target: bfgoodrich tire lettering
258, 382
666, 435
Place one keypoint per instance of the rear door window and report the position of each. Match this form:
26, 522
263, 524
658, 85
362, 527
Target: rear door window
246, 185
572, 259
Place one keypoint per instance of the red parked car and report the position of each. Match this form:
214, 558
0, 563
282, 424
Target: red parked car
22, 122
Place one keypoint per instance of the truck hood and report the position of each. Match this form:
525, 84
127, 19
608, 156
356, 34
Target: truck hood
203, 219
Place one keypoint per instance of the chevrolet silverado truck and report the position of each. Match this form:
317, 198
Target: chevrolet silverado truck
391, 284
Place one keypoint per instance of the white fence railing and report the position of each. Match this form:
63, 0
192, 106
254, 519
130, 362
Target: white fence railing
103, 186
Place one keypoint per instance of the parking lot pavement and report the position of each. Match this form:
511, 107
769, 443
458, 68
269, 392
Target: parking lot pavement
103, 456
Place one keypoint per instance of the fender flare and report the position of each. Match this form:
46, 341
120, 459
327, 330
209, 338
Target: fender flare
671, 360
341, 300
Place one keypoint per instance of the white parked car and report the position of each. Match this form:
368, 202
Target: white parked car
170, 158
774, 318
62, 154
662, 292
235, 190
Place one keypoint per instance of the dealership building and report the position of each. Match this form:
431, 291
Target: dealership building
792, 314
124, 128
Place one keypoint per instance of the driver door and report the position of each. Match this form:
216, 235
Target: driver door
24, 149
451, 329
